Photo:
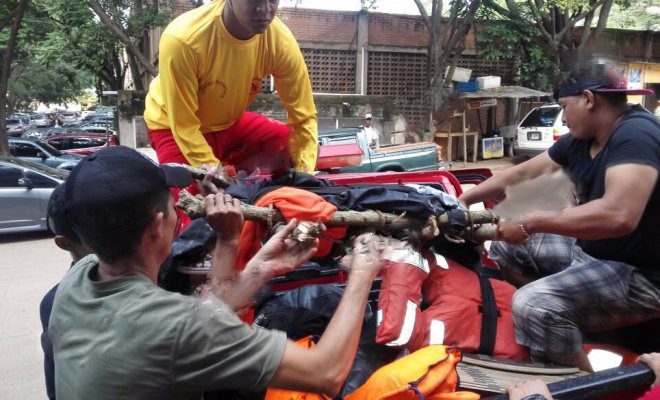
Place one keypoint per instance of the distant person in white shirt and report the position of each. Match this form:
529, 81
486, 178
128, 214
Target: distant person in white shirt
370, 132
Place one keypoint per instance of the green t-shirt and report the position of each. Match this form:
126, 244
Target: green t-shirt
128, 338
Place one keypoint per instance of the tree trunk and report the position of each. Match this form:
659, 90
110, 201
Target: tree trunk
7, 58
136, 73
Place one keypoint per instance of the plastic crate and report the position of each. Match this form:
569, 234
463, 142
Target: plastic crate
471, 86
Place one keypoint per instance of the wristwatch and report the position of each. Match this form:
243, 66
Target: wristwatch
535, 396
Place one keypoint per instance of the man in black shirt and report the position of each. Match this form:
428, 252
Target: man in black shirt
595, 266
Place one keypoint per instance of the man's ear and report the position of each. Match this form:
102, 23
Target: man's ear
589, 99
156, 228
63, 243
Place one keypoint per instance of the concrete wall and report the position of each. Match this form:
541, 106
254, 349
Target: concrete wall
131, 128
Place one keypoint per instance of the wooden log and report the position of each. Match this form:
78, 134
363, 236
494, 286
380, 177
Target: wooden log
193, 206
199, 174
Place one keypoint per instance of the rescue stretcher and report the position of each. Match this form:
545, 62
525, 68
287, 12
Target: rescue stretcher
625, 382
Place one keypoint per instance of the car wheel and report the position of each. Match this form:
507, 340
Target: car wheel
390, 169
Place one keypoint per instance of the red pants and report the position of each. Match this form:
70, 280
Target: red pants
253, 142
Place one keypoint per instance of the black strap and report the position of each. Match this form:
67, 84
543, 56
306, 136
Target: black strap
488, 309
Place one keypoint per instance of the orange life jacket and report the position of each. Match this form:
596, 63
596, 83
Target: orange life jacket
282, 394
464, 309
457, 316
428, 373
399, 297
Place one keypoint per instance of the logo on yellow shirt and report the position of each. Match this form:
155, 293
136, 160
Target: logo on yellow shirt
222, 87
255, 86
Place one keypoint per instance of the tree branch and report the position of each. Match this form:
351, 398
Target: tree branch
603, 16
6, 20
7, 58
505, 12
581, 16
424, 14
538, 18
123, 37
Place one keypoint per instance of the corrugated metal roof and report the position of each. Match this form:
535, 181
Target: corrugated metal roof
504, 92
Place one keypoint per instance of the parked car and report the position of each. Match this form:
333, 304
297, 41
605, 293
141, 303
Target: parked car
63, 131
69, 117
16, 125
99, 129
409, 157
40, 120
32, 133
87, 114
25, 188
82, 144
40, 152
540, 128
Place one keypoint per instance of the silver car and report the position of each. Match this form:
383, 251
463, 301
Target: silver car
25, 188
40, 120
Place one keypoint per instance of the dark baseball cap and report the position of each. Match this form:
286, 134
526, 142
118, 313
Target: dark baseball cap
602, 78
115, 182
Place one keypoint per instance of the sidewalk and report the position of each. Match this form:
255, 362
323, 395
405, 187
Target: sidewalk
494, 164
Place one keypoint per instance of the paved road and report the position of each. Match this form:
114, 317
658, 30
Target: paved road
30, 264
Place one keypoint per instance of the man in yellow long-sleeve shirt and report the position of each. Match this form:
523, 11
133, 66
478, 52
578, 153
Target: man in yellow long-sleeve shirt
212, 60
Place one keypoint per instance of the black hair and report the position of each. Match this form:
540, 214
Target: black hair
614, 99
57, 216
128, 226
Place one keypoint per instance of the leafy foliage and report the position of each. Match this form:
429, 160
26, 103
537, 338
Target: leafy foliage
64, 48
640, 14
554, 22
518, 43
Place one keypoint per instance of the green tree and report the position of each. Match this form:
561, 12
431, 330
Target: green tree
639, 14
446, 42
12, 12
130, 22
82, 41
38, 75
555, 21
108, 37
517, 43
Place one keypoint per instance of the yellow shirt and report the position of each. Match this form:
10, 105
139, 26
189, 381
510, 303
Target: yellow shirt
207, 79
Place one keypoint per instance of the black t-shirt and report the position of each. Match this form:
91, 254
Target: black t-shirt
636, 140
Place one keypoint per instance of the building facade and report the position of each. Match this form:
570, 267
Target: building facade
376, 54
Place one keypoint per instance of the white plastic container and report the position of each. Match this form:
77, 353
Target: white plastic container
487, 82
460, 74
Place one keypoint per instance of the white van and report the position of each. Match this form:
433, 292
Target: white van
539, 130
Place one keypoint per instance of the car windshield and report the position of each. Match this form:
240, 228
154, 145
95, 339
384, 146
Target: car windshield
42, 169
13, 121
545, 117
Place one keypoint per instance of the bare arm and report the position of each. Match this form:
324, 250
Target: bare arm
527, 388
494, 186
223, 214
278, 256
628, 188
332, 358
653, 361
